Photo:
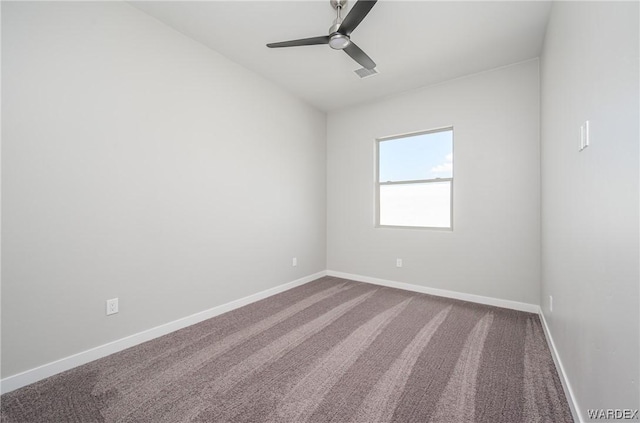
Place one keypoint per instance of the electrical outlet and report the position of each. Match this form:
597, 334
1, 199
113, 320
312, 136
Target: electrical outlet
294, 262
551, 303
398, 262
112, 306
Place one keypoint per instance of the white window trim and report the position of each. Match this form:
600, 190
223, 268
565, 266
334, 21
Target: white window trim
377, 182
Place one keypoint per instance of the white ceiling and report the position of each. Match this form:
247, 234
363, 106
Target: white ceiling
414, 43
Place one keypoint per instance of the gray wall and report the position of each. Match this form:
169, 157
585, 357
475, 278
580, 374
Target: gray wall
494, 249
139, 164
590, 233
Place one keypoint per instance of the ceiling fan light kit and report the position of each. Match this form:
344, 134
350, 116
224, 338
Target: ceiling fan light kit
339, 33
339, 41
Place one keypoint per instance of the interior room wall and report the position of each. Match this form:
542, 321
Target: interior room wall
590, 199
141, 165
494, 248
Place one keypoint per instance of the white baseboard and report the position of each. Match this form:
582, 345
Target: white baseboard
19, 380
571, 399
514, 305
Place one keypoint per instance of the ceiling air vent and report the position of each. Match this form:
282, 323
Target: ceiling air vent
365, 73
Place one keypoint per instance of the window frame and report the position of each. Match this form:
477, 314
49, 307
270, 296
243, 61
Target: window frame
378, 184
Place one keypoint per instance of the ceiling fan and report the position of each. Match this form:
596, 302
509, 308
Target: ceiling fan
340, 32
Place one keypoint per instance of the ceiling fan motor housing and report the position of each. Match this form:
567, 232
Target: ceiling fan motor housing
336, 24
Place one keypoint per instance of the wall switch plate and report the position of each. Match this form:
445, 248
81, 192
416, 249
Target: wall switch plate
584, 136
398, 262
112, 306
294, 261
551, 303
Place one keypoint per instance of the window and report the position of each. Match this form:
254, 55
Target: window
414, 183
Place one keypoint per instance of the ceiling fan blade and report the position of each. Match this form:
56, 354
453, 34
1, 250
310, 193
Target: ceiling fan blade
356, 15
359, 56
302, 42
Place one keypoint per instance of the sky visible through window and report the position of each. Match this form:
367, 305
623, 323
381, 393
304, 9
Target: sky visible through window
425, 156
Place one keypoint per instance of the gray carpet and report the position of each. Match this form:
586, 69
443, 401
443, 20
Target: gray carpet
328, 351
